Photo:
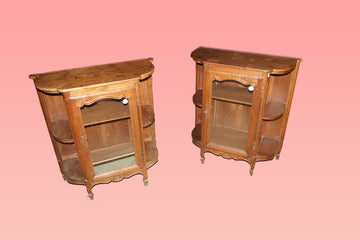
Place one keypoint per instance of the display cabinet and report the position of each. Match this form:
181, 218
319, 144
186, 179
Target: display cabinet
101, 121
242, 103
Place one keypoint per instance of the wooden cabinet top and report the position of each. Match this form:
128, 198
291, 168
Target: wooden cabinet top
273, 64
78, 78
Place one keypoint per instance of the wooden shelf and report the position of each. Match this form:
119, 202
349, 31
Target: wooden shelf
119, 156
151, 153
229, 137
268, 146
197, 98
61, 131
108, 111
71, 171
102, 155
196, 135
273, 110
105, 111
231, 94
148, 116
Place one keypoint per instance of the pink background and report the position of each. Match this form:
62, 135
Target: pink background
312, 192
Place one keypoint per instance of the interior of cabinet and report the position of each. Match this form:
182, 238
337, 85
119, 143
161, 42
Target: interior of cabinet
230, 114
109, 120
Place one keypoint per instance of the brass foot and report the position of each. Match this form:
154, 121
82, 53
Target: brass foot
91, 196
251, 172
277, 157
202, 160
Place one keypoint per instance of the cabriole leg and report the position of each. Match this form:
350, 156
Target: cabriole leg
90, 193
252, 166
145, 179
202, 157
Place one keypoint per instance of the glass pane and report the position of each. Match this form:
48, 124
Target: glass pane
108, 132
115, 164
230, 114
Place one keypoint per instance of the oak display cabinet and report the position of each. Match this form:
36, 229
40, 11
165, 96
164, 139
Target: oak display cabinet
101, 121
242, 103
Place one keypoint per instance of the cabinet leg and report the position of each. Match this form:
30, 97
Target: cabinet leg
252, 166
146, 180
277, 156
202, 158
90, 193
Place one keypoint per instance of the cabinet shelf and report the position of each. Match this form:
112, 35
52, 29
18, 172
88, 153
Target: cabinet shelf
120, 156
197, 98
148, 116
196, 135
228, 137
232, 94
71, 166
102, 155
268, 146
273, 110
62, 132
71, 170
104, 111
151, 153
222, 135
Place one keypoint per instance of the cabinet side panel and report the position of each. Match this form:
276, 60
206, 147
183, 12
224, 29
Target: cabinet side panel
146, 98
290, 95
199, 82
279, 88
56, 106
62, 151
44, 99
144, 92
278, 91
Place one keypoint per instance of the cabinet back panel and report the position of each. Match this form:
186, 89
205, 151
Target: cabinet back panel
232, 115
111, 133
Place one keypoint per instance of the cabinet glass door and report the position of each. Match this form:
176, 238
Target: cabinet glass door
229, 114
109, 134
